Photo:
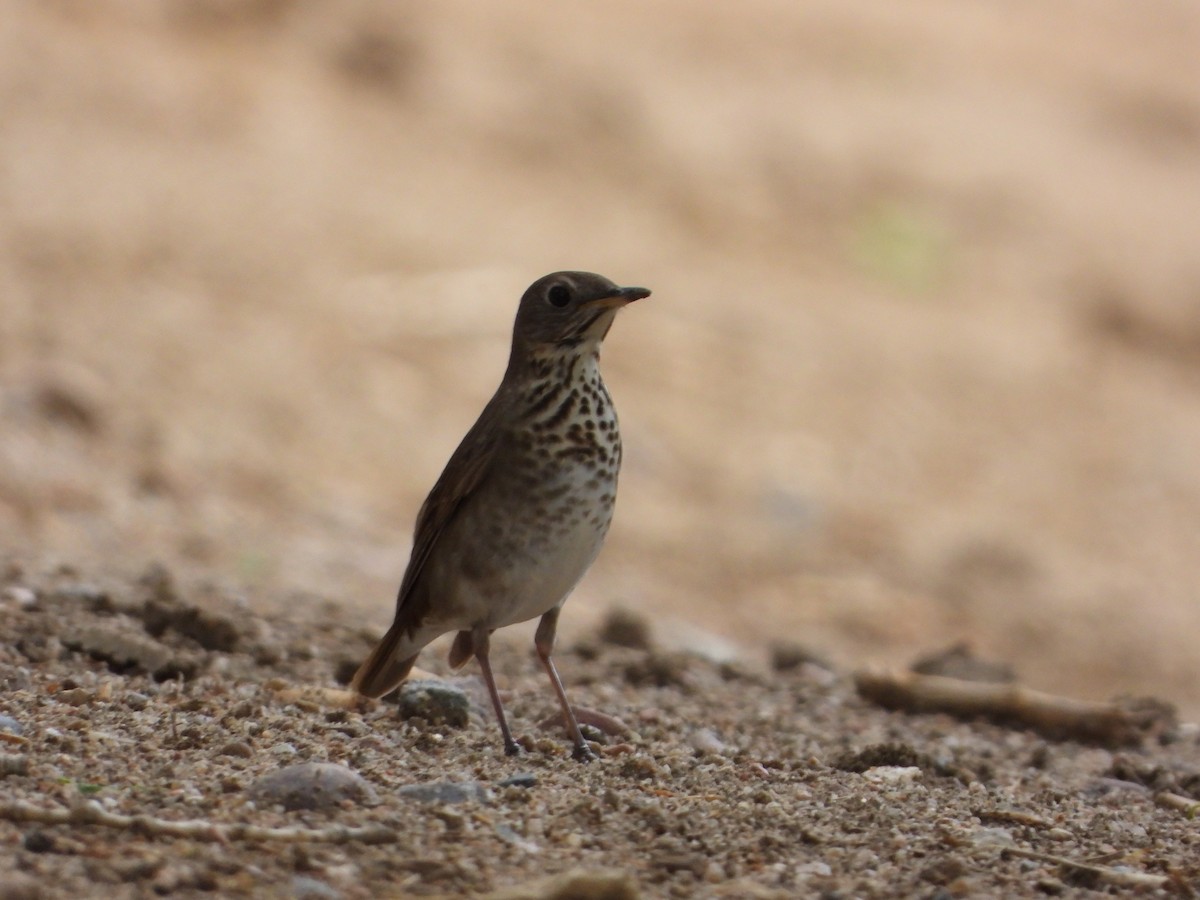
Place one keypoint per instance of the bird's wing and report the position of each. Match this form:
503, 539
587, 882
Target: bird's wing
466, 470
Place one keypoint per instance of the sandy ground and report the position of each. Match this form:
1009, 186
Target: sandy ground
159, 739
922, 361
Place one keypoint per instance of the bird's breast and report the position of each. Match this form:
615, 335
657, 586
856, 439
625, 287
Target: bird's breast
556, 487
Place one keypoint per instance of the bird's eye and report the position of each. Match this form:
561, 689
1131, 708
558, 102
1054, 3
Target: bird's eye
559, 295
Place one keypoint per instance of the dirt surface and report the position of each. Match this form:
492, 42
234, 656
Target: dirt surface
922, 364
713, 780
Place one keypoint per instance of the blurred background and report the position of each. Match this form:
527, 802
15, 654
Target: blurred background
922, 361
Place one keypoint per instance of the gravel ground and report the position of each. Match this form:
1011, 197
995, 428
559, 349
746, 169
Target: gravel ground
138, 697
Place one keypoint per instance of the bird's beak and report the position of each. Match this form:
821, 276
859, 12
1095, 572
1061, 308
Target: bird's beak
622, 297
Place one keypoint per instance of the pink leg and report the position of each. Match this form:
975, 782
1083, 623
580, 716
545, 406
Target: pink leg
481, 638
544, 642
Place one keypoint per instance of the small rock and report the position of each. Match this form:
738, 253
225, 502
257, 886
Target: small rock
436, 702
992, 837
244, 709
305, 888
877, 755
313, 786
787, 656
13, 764
237, 749
509, 835
625, 628
69, 397
642, 767
37, 841
158, 584
660, 670
9, 725
705, 740
959, 661
445, 792
209, 630
90, 596
75, 697
679, 862
125, 648
523, 780
136, 701
577, 884
892, 774
20, 596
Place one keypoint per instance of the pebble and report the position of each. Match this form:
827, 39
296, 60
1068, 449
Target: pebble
625, 628
123, 647
13, 764
892, 774
313, 786
445, 792
523, 780
305, 888
705, 740
510, 836
90, 595
37, 841
787, 656
437, 702
19, 595
9, 725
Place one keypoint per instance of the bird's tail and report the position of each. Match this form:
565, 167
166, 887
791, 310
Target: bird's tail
383, 671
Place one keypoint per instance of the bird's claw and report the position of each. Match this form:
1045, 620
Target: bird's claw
583, 753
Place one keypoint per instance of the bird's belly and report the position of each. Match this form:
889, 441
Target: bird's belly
541, 578
527, 557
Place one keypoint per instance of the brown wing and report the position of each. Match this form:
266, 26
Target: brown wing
466, 470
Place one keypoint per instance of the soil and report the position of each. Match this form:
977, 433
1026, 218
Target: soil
713, 779
921, 366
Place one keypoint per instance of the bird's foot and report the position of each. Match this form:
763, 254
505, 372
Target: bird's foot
512, 748
583, 753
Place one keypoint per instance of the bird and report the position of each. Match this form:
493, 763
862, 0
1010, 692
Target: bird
523, 506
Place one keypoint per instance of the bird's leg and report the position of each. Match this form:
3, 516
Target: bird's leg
481, 639
544, 642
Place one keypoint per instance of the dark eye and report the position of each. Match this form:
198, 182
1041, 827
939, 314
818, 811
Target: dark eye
558, 295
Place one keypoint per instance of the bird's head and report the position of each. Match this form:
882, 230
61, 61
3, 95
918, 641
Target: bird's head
567, 309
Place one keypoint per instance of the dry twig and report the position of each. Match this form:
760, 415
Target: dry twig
1186, 805
92, 813
1107, 874
1110, 724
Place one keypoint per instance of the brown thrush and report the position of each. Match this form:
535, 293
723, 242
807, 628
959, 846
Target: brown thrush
524, 503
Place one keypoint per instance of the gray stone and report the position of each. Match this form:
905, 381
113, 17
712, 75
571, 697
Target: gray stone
436, 702
305, 888
313, 786
446, 792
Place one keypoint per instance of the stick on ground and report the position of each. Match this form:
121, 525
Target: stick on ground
92, 813
1110, 724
